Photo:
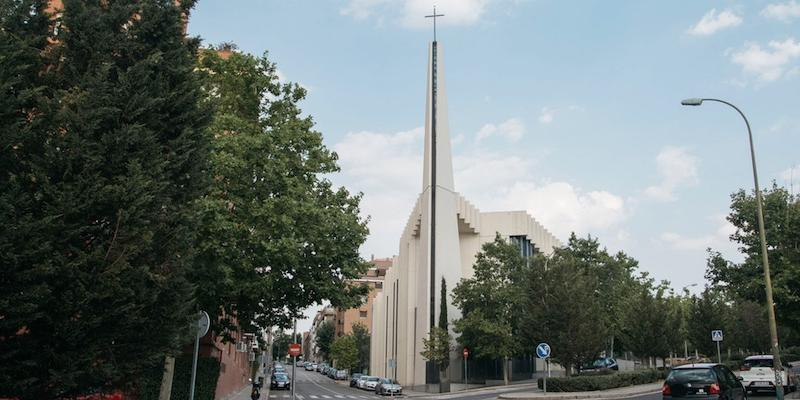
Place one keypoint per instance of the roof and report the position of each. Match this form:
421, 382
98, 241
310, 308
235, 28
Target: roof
697, 365
760, 357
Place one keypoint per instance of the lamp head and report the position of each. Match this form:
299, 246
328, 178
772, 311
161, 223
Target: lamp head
692, 102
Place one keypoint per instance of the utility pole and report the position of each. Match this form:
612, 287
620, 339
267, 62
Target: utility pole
294, 362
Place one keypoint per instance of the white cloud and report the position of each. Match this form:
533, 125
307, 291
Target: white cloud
411, 13
546, 116
791, 175
677, 168
560, 207
361, 9
718, 239
511, 129
387, 168
770, 63
712, 22
782, 11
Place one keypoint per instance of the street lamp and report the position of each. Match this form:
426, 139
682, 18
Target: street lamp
773, 330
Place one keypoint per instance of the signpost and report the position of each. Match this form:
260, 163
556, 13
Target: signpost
716, 336
466, 356
543, 352
202, 324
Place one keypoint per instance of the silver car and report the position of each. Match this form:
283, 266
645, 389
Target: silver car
388, 386
371, 382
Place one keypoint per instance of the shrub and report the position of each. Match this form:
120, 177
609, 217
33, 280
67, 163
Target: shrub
588, 383
205, 382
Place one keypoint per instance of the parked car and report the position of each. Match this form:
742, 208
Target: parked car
281, 381
703, 381
371, 382
298, 364
354, 379
388, 386
341, 375
361, 381
308, 366
601, 364
758, 374
331, 372
314, 367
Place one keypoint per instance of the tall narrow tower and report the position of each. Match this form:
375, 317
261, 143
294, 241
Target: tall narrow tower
441, 256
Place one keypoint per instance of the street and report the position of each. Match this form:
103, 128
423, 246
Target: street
313, 385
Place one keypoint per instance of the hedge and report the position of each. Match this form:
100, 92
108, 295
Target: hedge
588, 383
205, 382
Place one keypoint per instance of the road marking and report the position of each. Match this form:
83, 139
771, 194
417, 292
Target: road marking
313, 396
325, 396
338, 396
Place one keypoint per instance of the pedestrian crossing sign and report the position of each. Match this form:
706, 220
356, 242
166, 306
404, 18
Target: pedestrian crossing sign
716, 335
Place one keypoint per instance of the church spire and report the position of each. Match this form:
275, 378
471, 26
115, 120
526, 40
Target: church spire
438, 162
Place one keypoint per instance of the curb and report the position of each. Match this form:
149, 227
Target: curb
577, 395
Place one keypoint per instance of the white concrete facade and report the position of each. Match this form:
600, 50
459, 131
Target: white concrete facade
443, 235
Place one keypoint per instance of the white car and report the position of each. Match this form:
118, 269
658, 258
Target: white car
757, 373
362, 380
371, 382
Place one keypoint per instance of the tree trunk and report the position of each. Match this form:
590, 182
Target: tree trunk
444, 380
166, 379
505, 370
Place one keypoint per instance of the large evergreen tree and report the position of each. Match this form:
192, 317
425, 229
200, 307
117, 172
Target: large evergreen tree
277, 236
106, 125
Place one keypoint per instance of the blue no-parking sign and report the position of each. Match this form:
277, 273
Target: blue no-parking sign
543, 350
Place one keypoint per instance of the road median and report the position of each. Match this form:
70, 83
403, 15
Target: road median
617, 393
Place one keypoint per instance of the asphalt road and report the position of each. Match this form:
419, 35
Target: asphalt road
315, 386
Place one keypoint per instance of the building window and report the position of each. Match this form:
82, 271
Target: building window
362, 314
378, 285
526, 248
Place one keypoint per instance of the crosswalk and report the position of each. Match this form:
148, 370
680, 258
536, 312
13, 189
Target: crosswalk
322, 396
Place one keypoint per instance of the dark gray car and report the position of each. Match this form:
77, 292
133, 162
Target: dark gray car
703, 381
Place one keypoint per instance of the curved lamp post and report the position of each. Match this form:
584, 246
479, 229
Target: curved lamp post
773, 330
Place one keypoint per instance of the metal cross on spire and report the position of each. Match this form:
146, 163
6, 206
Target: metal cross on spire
434, 15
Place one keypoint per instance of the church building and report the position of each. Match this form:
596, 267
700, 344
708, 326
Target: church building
441, 239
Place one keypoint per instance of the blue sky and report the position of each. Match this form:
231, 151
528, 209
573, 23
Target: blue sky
570, 110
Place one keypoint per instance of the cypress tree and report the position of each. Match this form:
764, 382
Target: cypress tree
94, 292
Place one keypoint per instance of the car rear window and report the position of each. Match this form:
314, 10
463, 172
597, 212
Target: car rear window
691, 375
373, 379
281, 377
758, 363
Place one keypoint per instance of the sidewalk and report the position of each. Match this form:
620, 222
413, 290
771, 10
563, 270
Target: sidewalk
618, 393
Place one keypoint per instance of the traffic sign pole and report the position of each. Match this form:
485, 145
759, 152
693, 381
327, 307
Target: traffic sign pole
719, 355
466, 377
294, 364
543, 352
203, 322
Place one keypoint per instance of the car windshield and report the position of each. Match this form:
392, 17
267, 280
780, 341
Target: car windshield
372, 379
758, 363
281, 377
356, 376
386, 381
691, 375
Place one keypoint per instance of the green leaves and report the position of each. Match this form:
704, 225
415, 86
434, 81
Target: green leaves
276, 235
324, 339
436, 347
344, 352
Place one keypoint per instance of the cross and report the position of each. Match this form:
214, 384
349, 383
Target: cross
434, 15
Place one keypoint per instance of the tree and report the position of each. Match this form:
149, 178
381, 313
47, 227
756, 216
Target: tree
344, 352
324, 339
280, 344
708, 312
560, 304
437, 347
489, 303
277, 236
646, 320
103, 155
746, 280
362, 338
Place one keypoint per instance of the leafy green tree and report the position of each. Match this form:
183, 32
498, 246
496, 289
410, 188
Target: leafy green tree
646, 321
324, 339
437, 347
362, 338
708, 312
276, 235
561, 306
344, 352
280, 344
489, 303
103, 153
746, 280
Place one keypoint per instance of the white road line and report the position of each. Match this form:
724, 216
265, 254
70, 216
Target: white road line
313, 396
325, 396
299, 396
338, 396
